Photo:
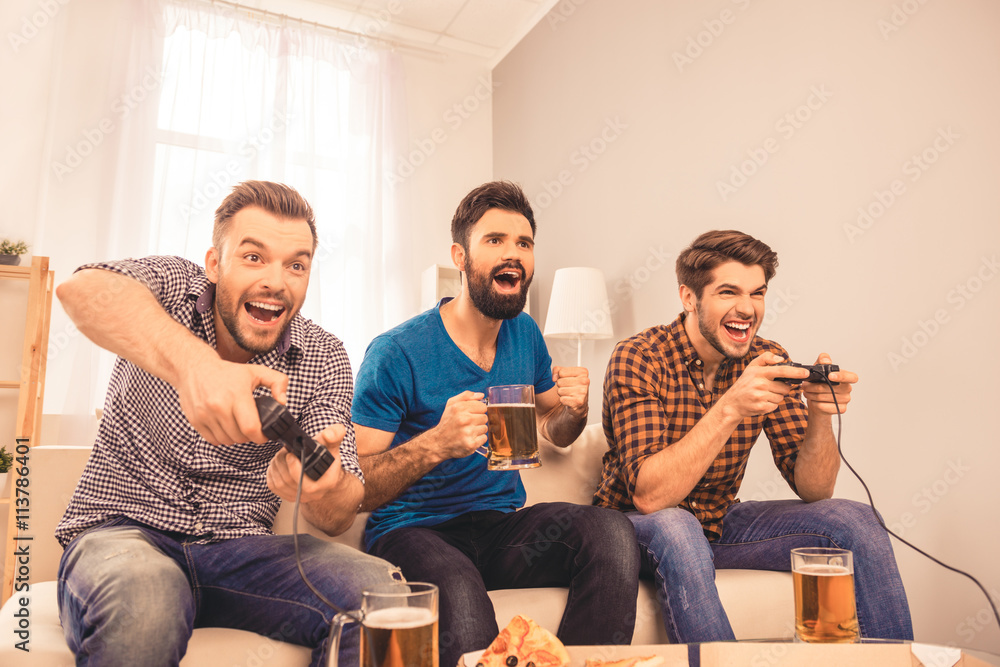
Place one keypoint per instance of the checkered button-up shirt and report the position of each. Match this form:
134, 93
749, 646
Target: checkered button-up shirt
151, 465
654, 394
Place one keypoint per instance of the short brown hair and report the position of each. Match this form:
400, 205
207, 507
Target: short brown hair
696, 262
275, 198
503, 195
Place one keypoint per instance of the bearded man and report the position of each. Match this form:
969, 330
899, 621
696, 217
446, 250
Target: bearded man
169, 528
683, 405
419, 415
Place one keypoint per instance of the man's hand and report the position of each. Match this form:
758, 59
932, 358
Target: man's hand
463, 426
285, 468
573, 388
217, 398
756, 392
818, 395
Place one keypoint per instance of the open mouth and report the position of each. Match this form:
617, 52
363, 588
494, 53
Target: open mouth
507, 280
738, 331
263, 312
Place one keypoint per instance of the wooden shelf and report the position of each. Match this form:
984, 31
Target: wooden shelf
17, 272
31, 385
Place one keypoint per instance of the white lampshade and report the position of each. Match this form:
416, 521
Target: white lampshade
578, 307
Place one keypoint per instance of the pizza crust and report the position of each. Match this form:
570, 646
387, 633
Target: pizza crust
645, 661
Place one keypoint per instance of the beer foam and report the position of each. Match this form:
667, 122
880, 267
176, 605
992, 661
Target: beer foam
823, 570
399, 618
511, 405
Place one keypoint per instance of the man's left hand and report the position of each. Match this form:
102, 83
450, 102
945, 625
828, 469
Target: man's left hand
818, 396
285, 468
573, 388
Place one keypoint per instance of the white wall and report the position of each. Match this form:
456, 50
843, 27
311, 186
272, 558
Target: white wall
908, 299
450, 148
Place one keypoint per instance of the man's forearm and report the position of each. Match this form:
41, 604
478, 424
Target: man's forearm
818, 461
561, 426
667, 477
335, 514
131, 324
390, 473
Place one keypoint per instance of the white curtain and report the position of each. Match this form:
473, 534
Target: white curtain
244, 98
134, 117
82, 110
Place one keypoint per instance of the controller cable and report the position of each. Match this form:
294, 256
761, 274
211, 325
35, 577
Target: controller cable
356, 616
878, 517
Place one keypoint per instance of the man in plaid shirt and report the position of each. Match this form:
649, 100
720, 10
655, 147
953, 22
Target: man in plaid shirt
683, 405
169, 528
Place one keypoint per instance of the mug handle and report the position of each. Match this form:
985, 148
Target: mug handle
336, 626
483, 450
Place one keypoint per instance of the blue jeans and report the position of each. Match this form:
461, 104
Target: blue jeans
760, 536
592, 550
131, 595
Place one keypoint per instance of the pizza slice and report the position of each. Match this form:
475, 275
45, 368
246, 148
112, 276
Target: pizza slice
524, 643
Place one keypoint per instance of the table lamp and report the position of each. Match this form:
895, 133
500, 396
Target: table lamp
578, 307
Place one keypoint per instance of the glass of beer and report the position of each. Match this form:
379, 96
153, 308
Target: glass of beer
400, 626
824, 595
513, 434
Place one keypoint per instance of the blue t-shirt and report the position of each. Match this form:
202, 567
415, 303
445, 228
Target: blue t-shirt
407, 376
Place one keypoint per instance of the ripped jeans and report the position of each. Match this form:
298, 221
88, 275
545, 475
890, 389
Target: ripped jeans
759, 535
130, 594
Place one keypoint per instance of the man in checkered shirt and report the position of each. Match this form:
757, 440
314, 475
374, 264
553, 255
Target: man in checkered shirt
683, 405
169, 528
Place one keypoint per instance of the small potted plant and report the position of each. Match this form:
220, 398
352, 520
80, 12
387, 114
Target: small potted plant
6, 461
11, 251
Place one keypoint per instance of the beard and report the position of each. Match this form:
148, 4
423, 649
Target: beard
229, 306
490, 303
727, 349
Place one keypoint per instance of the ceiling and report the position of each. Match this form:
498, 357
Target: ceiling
488, 29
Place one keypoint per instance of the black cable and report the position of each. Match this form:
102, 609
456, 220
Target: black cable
357, 616
881, 523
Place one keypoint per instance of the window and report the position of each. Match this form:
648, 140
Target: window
244, 99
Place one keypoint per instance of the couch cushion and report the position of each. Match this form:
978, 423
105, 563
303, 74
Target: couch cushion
568, 474
208, 647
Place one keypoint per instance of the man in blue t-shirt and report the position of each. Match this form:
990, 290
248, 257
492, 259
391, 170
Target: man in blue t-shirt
437, 512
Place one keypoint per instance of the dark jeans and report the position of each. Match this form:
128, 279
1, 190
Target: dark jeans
591, 550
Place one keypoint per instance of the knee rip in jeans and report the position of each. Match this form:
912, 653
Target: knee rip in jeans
396, 574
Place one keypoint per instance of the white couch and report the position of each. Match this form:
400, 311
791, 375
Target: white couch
759, 603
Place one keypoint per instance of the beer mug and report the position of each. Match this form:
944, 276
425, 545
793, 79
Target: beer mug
399, 626
824, 595
513, 434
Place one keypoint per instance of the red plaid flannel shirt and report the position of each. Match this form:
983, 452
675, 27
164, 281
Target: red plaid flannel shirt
654, 395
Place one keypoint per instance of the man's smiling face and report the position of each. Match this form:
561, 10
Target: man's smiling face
730, 310
261, 274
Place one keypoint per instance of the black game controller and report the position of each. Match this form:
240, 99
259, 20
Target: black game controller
278, 424
817, 373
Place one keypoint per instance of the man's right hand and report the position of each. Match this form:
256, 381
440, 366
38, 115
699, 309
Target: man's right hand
217, 398
462, 428
756, 392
